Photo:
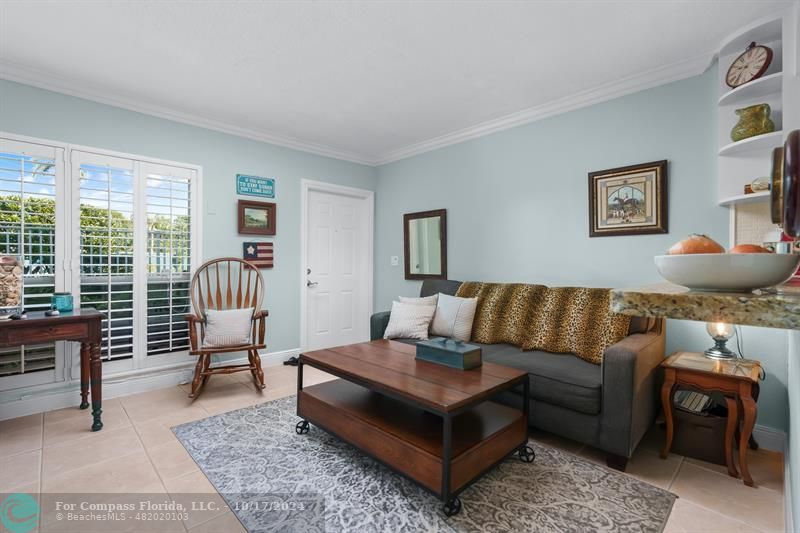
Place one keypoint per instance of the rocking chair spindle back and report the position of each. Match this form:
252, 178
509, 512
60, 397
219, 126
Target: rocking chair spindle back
224, 284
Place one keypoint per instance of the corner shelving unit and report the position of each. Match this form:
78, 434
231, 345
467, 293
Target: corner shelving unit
759, 196
741, 162
759, 88
759, 143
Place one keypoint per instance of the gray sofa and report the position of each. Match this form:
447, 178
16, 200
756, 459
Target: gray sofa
608, 406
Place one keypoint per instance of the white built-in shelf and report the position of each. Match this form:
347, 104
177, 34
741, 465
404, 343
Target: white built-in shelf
760, 196
760, 143
755, 89
761, 31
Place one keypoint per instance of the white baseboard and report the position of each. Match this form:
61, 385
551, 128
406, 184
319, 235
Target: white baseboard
770, 439
62, 395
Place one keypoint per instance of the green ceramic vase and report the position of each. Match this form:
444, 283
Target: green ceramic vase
753, 120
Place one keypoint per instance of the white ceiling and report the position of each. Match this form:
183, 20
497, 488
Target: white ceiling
366, 81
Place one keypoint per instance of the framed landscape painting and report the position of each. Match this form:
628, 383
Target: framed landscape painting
628, 200
257, 218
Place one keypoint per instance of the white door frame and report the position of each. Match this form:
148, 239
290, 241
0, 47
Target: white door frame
307, 185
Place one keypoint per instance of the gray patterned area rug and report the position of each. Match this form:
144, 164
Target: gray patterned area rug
276, 480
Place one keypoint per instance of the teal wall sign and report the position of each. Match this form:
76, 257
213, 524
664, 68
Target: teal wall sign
255, 186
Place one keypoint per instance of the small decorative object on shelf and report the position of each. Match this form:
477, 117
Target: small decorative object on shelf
757, 185
753, 120
61, 301
448, 352
11, 272
776, 187
750, 65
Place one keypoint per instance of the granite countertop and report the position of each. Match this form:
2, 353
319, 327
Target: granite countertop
759, 308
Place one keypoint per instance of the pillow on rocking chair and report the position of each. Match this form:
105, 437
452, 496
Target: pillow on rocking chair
228, 328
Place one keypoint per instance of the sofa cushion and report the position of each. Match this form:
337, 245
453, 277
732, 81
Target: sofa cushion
435, 286
557, 379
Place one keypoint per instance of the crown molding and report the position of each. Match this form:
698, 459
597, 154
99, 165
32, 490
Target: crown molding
659, 76
639, 82
35, 78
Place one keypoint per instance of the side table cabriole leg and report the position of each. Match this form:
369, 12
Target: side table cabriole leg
96, 376
749, 416
85, 354
666, 403
730, 429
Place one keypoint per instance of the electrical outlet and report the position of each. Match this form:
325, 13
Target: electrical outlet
395, 260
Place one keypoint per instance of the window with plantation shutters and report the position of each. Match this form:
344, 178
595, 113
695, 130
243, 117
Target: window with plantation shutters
28, 175
106, 261
169, 254
135, 255
118, 232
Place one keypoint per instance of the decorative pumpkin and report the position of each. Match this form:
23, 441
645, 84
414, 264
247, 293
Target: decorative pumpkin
749, 249
696, 244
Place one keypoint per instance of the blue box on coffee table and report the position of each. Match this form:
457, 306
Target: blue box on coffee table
448, 352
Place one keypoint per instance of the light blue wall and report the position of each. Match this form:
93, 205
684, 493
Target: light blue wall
29, 111
516, 200
517, 206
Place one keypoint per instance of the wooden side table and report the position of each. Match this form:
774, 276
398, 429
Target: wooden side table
736, 379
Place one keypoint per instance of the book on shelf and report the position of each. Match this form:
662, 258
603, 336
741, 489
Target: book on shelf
693, 402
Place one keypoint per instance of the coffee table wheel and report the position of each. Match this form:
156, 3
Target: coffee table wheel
453, 507
302, 427
526, 454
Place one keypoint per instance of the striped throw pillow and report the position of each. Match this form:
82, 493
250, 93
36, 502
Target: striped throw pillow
228, 328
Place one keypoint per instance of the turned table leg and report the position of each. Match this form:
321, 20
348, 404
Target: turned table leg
85, 354
749, 417
666, 403
730, 429
96, 376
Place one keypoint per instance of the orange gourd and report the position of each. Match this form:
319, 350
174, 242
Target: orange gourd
696, 244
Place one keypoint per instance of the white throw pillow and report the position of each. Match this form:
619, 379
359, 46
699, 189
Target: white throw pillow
425, 300
409, 321
228, 328
454, 317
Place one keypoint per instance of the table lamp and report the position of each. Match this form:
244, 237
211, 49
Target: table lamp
721, 333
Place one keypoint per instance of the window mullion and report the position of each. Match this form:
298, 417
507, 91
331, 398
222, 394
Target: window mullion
139, 273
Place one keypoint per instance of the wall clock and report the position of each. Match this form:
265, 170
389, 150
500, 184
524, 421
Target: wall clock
752, 64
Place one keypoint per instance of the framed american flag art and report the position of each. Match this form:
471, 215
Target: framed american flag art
258, 253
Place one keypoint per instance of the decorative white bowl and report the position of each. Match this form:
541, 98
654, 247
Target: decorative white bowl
727, 272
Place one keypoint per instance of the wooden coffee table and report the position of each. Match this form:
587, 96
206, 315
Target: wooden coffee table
436, 425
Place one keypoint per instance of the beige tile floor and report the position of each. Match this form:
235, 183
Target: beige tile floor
137, 452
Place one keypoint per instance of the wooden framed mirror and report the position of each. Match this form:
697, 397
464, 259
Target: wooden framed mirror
425, 236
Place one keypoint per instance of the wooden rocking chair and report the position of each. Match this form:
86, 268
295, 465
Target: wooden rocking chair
221, 284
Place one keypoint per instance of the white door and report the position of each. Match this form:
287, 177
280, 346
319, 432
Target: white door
338, 270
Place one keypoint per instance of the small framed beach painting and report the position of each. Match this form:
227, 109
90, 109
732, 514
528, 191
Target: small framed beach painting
628, 200
257, 218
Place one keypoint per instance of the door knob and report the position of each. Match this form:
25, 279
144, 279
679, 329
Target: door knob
310, 283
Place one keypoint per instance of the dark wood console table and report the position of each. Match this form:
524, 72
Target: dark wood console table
81, 325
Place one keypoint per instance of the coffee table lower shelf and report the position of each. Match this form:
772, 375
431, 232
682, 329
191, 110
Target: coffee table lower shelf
413, 441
